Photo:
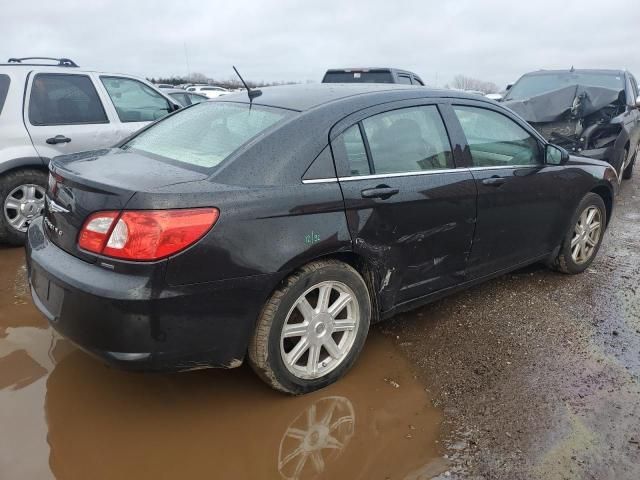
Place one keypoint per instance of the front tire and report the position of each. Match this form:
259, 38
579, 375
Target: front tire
582, 242
312, 329
21, 201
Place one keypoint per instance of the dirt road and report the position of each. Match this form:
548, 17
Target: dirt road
538, 373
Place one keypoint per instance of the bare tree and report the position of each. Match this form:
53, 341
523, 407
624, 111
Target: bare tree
463, 82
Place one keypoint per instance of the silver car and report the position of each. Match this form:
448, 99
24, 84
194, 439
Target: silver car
55, 109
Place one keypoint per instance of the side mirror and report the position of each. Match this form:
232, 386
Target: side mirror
554, 155
173, 107
509, 87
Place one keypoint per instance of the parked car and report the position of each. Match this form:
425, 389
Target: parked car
50, 110
278, 230
164, 86
209, 91
185, 98
371, 75
589, 112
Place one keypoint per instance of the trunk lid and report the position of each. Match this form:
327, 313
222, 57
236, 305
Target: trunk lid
87, 182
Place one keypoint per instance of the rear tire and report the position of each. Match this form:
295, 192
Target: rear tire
582, 242
13, 187
326, 338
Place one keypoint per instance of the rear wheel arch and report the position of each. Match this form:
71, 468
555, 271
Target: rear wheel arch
359, 262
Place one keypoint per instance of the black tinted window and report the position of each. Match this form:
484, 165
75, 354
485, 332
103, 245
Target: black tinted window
182, 98
64, 100
495, 140
408, 140
358, 77
4, 88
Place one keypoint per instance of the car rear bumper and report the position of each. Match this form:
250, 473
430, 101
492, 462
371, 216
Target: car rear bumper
131, 322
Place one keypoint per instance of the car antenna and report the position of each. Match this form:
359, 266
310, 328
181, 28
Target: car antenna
252, 93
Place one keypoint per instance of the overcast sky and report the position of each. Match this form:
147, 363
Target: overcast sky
298, 40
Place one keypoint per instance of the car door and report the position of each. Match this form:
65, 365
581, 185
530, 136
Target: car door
135, 103
410, 211
64, 114
520, 199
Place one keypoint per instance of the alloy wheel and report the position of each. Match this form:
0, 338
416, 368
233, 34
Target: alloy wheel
320, 330
23, 204
586, 235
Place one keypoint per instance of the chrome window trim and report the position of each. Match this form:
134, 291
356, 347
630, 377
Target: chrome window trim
412, 174
502, 167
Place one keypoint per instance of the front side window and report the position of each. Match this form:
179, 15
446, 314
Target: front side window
61, 99
408, 140
205, 134
496, 140
4, 88
134, 101
404, 79
182, 98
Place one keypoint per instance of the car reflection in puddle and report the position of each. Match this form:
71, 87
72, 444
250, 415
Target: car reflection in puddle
100, 422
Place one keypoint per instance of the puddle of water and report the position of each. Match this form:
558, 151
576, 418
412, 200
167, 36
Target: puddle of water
77, 418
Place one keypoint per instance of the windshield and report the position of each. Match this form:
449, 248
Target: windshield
532, 85
358, 77
205, 134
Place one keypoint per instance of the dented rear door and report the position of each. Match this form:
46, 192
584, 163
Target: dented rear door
409, 211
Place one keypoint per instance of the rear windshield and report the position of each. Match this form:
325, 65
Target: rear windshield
532, 85
4, 88
207, 133
358, 77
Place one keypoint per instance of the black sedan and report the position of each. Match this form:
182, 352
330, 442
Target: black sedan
279, 230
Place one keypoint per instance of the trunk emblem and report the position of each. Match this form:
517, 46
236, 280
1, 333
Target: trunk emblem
53, 207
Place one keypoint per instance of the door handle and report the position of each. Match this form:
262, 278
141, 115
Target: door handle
381, 191
494, 181
58, 139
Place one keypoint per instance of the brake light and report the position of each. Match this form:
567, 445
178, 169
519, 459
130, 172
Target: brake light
145, 234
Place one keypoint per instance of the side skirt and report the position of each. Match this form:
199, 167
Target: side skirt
432, 297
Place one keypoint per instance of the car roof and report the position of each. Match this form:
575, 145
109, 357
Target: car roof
303, 97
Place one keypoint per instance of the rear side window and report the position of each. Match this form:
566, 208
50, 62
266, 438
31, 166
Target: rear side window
4, 88
354, 149
404, 79
205, 134
408, 140
135, 101
61, 99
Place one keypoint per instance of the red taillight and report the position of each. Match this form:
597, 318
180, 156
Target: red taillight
145, 234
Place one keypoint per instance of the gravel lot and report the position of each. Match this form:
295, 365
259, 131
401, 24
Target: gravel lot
538, 373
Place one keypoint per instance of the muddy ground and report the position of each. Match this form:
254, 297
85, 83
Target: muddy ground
538, 373
535, 375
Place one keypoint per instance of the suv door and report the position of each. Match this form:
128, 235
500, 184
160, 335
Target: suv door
520, 199
409, 211
136, 104
64, 114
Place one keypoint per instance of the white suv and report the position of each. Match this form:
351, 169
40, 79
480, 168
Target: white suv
50, 110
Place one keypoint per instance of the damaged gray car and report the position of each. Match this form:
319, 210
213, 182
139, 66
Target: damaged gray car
594, 113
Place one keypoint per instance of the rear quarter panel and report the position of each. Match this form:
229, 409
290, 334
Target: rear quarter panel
263, 230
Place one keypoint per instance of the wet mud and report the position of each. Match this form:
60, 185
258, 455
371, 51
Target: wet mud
65, 415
